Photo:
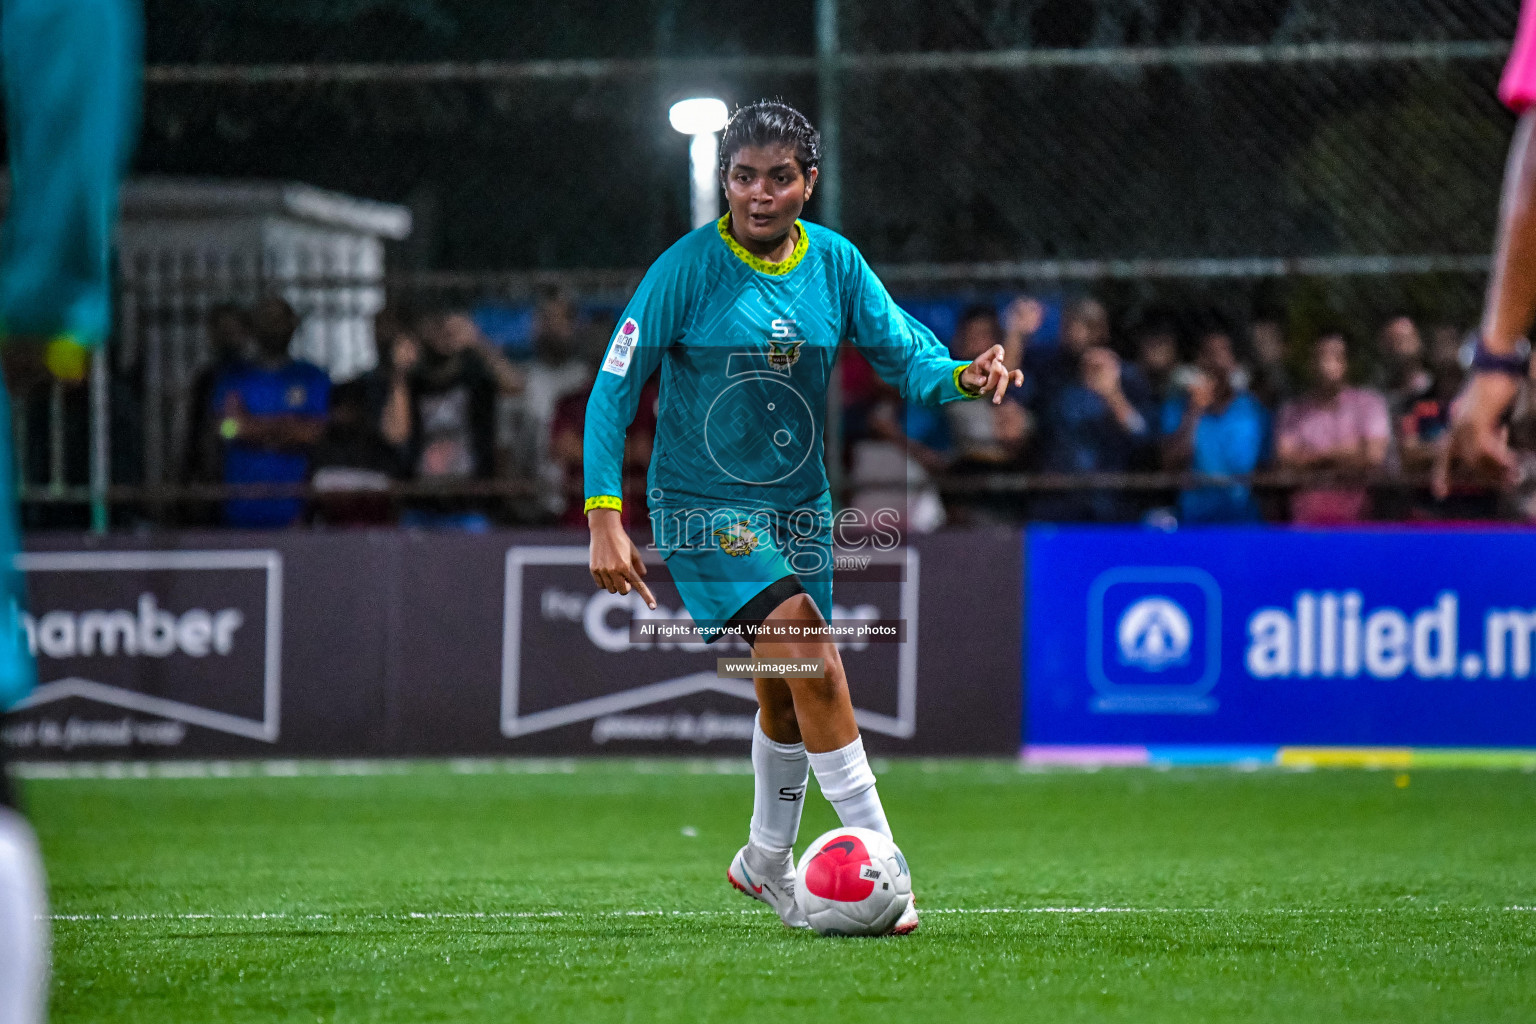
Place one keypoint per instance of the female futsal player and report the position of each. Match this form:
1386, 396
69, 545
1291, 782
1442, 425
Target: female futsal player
744, 317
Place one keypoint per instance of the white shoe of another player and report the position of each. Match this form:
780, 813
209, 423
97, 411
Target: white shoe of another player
776, 889
906, 924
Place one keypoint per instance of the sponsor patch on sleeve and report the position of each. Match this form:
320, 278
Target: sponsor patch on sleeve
622, 349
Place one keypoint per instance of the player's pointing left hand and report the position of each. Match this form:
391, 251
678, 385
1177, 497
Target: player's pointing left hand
987, 374
615, 562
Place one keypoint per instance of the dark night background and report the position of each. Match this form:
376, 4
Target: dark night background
1232, 160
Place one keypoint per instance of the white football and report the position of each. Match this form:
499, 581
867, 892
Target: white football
853, 882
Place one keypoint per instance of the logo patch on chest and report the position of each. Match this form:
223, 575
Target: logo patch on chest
784, 344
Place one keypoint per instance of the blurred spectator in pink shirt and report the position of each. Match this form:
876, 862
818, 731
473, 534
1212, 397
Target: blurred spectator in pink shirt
1333, 429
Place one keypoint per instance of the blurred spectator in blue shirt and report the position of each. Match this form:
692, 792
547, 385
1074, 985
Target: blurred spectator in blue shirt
1048, 369
1157, 357
228, 328
269, 413
1095, 416
1022, 320
1216, 430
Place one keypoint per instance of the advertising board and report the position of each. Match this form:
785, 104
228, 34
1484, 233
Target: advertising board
421, 644
1269, 638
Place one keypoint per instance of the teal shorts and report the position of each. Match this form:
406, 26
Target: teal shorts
733, 567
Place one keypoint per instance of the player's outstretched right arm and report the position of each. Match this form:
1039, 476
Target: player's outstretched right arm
907, 355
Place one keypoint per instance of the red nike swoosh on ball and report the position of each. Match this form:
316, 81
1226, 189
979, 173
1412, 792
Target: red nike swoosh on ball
835, 872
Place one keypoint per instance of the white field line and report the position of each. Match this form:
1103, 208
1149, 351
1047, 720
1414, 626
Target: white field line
292, 768
539, 915
296, 768
282, 769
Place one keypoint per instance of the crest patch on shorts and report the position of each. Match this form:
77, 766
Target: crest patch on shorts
738, 539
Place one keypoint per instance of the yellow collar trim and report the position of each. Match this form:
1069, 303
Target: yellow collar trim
762, 266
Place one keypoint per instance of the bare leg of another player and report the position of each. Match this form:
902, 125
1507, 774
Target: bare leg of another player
1477, 439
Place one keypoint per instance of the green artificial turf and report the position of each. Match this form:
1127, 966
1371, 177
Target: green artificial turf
1266, 896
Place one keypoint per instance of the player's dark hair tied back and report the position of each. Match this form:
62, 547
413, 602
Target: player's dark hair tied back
770, 123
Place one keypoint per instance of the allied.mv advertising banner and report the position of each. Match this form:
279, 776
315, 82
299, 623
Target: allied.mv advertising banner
1264, 637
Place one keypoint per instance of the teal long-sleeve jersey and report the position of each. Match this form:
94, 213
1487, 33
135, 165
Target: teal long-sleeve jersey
746, 350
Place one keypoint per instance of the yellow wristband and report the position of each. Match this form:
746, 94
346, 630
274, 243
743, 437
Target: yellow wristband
603, 501
66, 358
967, 392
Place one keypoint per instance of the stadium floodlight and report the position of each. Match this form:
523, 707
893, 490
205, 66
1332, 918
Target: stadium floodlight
701, 119
698, 116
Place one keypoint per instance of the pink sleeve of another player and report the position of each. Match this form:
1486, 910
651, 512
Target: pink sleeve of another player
1518, 86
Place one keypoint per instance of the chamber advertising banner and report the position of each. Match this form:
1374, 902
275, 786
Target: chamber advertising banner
417, 644
1258, 639
173, 639
205, 645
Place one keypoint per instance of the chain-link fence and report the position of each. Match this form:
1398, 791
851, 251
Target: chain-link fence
959, 132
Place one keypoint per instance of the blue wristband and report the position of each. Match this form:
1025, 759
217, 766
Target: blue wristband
1515, 365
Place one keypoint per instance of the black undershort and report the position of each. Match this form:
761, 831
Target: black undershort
750, 618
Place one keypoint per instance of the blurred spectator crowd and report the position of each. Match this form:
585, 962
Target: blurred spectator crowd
1347, 430
449, 432
445, 409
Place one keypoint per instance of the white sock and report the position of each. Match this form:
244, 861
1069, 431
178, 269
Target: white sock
846, 780
779, 772
23, 924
